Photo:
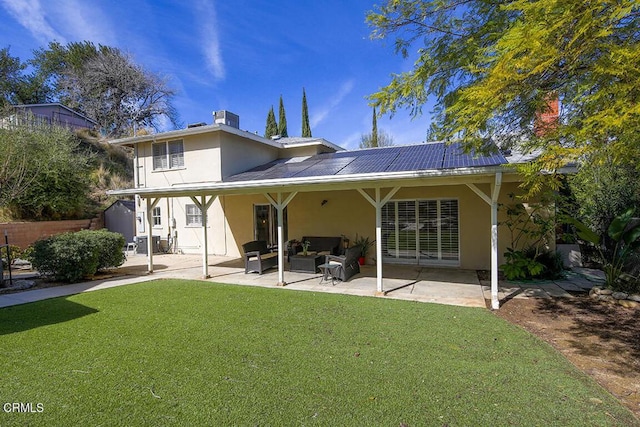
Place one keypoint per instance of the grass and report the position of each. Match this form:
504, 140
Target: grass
175, 352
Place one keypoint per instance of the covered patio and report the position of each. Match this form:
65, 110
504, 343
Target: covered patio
407, 282
374, 178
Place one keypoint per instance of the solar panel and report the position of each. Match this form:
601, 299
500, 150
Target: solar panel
456, 158
430, 156
328, 166
418, 157
370, 163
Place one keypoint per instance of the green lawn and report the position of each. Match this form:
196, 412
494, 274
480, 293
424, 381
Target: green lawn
174, 352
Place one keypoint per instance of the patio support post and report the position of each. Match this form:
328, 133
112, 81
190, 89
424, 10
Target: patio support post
203, 204
280, 205
378, 203
151, 203
495, 192
379, 288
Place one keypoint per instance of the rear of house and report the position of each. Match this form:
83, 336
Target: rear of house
438, 212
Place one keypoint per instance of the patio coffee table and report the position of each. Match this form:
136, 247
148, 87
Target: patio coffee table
305, 264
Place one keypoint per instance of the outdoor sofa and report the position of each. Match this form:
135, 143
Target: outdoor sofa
257, 257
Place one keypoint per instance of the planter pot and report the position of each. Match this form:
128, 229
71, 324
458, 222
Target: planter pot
361, 260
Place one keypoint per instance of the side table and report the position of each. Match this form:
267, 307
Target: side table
328, 270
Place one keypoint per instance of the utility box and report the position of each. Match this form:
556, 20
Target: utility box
142, 245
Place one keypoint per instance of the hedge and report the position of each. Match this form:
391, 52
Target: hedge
70, 257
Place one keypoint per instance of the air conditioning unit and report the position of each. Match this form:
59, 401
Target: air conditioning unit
225, 117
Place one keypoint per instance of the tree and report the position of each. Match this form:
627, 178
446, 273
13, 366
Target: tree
377, 138
491, 68
45, 172
602, 190
282, 121
10, 77
271, 129
306, 128
105, 84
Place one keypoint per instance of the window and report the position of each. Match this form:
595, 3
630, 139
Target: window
168, 155
157, 217
194, 216
421, 231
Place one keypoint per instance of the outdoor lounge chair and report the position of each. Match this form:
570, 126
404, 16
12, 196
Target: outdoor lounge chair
257, 257
348, 263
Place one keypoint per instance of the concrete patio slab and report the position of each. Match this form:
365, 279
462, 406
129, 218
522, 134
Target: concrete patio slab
408, 282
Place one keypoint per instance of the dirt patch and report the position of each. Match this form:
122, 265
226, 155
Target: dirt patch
602, 339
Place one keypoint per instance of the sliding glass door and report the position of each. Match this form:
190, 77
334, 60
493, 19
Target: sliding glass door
265, 220
421, 231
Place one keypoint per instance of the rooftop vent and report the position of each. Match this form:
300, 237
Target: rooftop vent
225, 117
196, 125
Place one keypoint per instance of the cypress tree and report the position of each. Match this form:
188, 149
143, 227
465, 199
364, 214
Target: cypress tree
306, 129
282, 125
374, 130
271, 128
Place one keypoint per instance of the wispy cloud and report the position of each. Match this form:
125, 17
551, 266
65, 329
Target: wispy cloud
83, 21
319, 116
210, 38
30, 14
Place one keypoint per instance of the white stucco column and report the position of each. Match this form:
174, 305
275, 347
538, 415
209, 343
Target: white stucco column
280, 205
151, 203
378, 203
495, 193
493, 203
203, 204
378, 207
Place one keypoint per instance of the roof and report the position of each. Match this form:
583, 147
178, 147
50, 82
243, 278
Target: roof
219, 127
129, 204
299, 141
411, 165
56, 104
431, 156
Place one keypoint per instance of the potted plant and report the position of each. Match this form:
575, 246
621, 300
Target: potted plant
364, 244
305, 247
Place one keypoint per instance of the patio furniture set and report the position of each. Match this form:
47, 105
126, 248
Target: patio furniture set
324, 254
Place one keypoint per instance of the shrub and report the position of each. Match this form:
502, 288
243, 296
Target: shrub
70, 257
109, 245
15, 251
531, 264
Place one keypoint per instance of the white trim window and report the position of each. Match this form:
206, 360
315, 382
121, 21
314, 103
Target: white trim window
156, 215
168, 155
194, 216
421, 231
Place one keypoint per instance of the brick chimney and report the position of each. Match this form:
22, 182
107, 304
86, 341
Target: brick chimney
547, 120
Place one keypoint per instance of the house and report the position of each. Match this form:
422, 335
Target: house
427, 204
51, 113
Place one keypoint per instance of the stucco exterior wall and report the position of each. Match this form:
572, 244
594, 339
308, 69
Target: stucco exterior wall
346, 213
240, 154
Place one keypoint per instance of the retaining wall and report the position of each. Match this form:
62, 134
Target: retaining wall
23, 234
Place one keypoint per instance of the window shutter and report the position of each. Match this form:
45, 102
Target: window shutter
176, 154
160, 156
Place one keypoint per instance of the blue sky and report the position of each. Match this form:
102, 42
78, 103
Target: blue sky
238, 55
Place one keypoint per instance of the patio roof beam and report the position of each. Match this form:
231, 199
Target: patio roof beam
151, 204
480, 193
279, 204
378, 203
204, 204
